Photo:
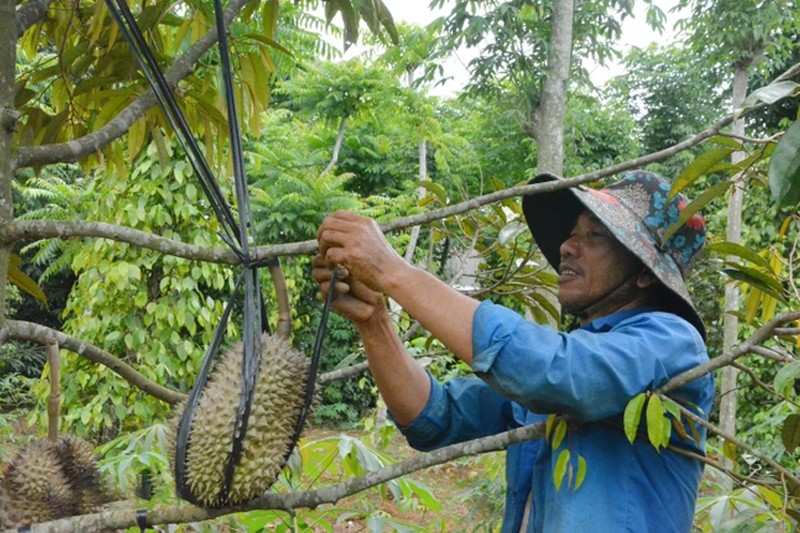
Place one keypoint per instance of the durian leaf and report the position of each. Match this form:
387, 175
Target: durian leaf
790, 434
560, 469
784, 168
696, 205
22, 281
655, 421
697, 168
632, 415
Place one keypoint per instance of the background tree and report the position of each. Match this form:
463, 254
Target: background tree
151, 270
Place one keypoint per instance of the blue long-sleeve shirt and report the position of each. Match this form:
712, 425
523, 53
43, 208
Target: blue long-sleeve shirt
528, 371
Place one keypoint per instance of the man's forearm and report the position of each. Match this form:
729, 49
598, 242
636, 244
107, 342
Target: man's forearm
442, 310
404, 385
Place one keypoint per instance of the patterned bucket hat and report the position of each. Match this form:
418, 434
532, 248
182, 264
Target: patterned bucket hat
637, 210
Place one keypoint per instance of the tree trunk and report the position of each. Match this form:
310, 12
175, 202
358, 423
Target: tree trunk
730, 329
337, 146
8, 120
423, 175
549, 116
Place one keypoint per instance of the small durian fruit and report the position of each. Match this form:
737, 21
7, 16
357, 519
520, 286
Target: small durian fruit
16, 512
34, 476
79, 466
48, 480
278, 400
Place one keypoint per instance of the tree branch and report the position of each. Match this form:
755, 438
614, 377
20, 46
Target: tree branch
30, 13
76, 149
45, 229
737, 351
310, 499
64, 229
739, 444
28, 331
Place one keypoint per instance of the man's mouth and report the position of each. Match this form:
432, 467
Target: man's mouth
568, 271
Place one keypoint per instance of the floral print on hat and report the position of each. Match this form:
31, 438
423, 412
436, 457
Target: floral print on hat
638, 210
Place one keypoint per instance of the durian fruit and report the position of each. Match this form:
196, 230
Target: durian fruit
278, 400
48, 480
79, 465
35, 475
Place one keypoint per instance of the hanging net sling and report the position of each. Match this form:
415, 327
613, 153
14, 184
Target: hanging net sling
247, 408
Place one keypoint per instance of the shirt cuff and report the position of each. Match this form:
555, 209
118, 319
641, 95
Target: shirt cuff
493, 327
428, 425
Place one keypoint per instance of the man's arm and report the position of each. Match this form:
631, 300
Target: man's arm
404, 385
358, 244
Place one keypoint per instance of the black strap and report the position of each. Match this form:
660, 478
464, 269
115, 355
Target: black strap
314, 365
141, 519
233, 234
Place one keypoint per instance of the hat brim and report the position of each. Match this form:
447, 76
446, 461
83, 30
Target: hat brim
551, 217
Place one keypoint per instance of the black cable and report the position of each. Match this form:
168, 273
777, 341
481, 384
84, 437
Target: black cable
232, 233
141, 52
314, 365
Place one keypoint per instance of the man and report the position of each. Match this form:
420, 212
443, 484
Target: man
638, 330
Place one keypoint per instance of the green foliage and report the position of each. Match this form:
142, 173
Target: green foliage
784, 168
156, 313
137, 457
747, 509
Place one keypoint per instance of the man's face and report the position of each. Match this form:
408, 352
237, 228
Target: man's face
593, 265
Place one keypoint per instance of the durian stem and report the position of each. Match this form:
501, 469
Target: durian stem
55, 390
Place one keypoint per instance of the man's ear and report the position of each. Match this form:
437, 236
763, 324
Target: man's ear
645, 279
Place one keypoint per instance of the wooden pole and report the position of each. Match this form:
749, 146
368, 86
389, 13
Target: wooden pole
55, 390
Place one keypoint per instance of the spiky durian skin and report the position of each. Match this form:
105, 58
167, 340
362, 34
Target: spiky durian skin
47, 480
278, 399
34, 475
16, 512
77, 460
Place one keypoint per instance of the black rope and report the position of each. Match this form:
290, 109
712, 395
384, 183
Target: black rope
133, 35
314, 365
141, 519
236, 236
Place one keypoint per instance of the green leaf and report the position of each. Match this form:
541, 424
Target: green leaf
632, 415
696, 205
581, 475
697, 168
727, 141
785, 378
548, 426
560, 433
655, 421
771, 93
757, 279
729, 450
732, 248
790, 435
22, 281
784, 168
434, 188
560, 469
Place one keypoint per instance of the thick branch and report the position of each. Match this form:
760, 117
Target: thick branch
77, 149
311, 499
64, 229
739, 444
763, 333
336, 147
28, 331
48, 229
30, 13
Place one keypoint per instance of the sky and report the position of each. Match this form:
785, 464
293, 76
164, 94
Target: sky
634, 31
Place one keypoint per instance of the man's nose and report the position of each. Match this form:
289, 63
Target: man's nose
570, 247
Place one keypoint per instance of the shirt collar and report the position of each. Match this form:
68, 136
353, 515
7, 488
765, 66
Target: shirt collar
606, 323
